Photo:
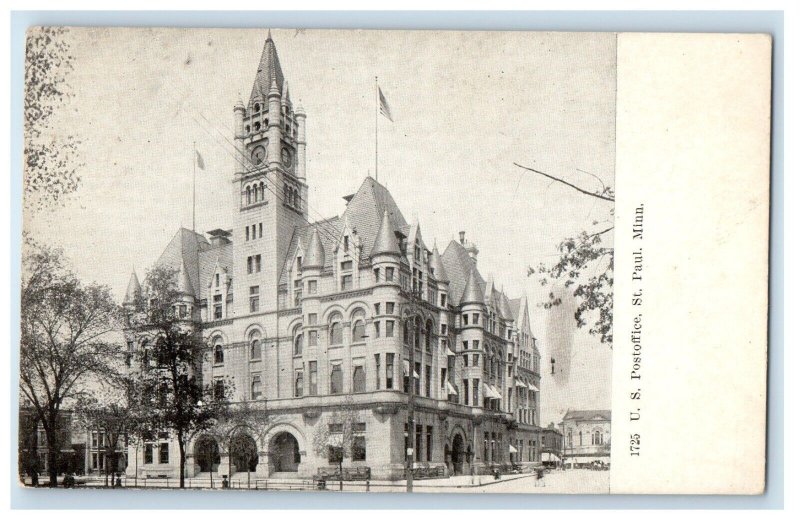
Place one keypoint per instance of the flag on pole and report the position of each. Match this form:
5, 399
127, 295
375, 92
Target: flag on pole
200, 163
384, 106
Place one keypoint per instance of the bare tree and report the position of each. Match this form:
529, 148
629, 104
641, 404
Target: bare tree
585, 266
168, 381
336, 439
51, 159
64, 339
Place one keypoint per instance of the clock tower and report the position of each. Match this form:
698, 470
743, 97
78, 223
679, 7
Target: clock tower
269, 189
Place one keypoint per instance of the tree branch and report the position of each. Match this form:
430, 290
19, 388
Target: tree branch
562, 181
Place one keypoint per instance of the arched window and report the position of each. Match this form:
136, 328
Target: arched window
296, 199
257, 107
248, 195
247, 129
257, 126
255, 345
336, 378
429, 336
298, 343
359, 331
219, 353
286, 194
359, 379
335, 329
298, 383
261, 189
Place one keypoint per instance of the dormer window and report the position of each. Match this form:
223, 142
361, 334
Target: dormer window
346, 244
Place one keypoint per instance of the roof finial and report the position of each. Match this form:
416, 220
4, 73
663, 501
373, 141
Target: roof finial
269, 34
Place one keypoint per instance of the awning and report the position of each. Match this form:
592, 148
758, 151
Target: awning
511, 448
532, 387
521, 384
451, 390
406, 369
490, 392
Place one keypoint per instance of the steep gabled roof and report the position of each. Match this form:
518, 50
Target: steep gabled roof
472, 289
134, 289
439, 271
209, 258
328, 229
269, 71
185, 247
386, 241
314, 255
184, 283
505, 306
458, 265
365, 212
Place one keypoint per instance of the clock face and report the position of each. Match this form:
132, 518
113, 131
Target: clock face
286, 157
258, 155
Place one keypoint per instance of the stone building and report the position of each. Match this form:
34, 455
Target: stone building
310, 318
587, 437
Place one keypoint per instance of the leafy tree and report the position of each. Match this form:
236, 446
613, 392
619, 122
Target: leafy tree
167, 379
64, 339
51, 159
585, 266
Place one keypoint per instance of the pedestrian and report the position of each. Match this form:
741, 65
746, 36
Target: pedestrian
118, 482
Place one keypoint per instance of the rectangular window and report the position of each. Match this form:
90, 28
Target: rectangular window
335, 454
429, 443
389, 328
476, 344
298, 383
249, 265
464, 320
475, 384
216, 279
298, 292
312, 318
389, 371
148, 453
347, 282
219, 389
359, 448
346, 244
443, 300
476, 360
377, 326
377, 371
466, 360
444, 329
377, 272
427, 380
359, 379
253, 228
389, 274
255, 388
260, 229
254, 298
466, 391
417, 370
163, 453
377, 308
476, 316
347, 265
258, 263
247, 233
312, 338
312, 378
465, 344
418, 443
389, 307
336, 378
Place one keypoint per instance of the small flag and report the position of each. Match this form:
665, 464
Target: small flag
200, 163
384, 106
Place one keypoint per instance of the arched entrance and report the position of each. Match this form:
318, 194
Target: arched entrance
457, 454
206, 454
243, 453
284, 453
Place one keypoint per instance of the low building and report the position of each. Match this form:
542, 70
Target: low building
552, 446
587, 438
33, 448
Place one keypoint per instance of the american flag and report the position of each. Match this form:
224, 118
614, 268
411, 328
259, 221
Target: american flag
387, 113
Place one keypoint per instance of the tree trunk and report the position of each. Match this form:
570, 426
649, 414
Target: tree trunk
52, 455
182, 451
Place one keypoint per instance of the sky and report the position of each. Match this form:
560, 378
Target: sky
466, 106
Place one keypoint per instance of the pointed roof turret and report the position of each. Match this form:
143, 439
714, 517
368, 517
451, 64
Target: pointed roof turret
134, 290
385, 242
184, 283
269, 71
472, 290
489, 292
315, 253
285, 94
439, 271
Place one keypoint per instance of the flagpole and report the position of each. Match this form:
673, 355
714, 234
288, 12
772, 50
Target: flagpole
194, 179
377, 102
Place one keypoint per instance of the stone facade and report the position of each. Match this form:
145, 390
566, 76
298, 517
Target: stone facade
587, 437
306, 320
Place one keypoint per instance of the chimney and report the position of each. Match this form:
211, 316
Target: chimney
461, 236
471, 248
219, 237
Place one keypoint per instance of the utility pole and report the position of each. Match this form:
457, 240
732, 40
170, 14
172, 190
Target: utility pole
410, 453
